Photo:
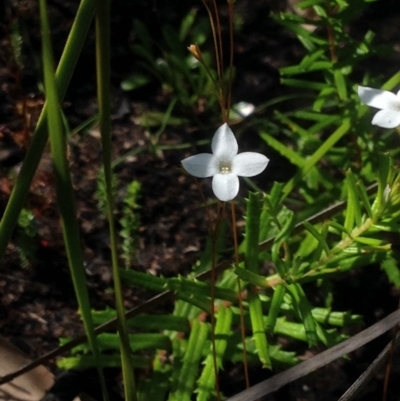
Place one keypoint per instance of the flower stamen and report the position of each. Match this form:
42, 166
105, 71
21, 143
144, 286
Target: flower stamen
225, 169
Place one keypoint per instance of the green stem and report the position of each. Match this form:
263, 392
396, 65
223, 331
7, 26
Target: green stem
64, 72
65, 194
103, 88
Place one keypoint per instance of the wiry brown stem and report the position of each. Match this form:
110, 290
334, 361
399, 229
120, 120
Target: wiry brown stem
242, 326
214, 240
231, 51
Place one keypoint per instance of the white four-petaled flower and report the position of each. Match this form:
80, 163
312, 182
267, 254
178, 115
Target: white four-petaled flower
225, 164
387, 102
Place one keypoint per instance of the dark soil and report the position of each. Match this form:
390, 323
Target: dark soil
37, 303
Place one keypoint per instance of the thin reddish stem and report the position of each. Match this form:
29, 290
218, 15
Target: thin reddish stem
231, 51
214, 239
242, 325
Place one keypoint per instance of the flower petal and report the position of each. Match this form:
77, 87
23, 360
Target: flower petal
225, 186
201, 165
224, 145
378, 98
387, 118
248, 164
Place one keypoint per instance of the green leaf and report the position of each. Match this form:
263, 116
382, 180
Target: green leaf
143, 280
299, 69
191, 360
259, 330
390, 266
134, 81
285, 151
341, 85
199, 288
206, 382
187, 24
353, 210
320, 238
275, 307
303, 84
303, 308
106, 361
340, 319
111, 341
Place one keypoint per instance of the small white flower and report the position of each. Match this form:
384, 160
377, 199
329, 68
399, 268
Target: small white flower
225, 164
387, 102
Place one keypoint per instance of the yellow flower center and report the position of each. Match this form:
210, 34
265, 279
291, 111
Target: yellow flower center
225, 168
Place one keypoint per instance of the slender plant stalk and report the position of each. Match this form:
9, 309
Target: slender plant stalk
220, 56
231, 51
216, 32
331, 36
64, 73
103, 88
239, 284
214, 239
65, 195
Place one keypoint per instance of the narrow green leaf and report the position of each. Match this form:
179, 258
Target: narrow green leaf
201, 302
103, 76
322, 125
258, 329
253, 212
392, 82
159, 384
324, 97
363, 196
275, 307
206, 382
64, 189
110, 341
191, 360
339, 228
287, 228
383, 175
251, 278
390, 266
199, 288
301, 304
318, 155
353, 211
299, 69
303, 84
144, 280
186, 24
285, 151
291, 124
160, 322
317, 235
292, 330
251, 263
307, 246
340, 319
107, 361
313, 116
341, 85
33, 156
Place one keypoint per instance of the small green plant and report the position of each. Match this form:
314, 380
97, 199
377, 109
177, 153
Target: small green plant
130, 223
26, 238
167, 61
101, 193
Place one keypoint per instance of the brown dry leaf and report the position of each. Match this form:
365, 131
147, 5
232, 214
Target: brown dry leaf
31, 386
